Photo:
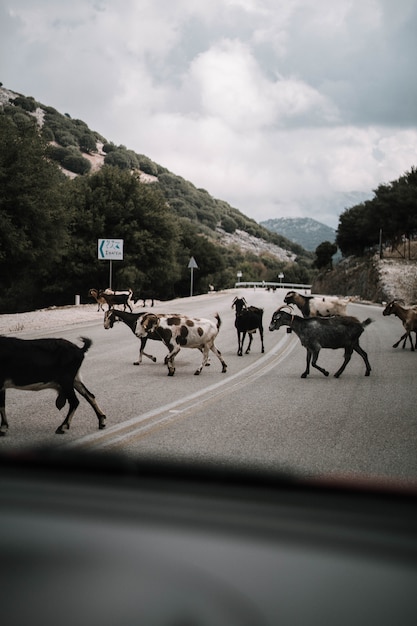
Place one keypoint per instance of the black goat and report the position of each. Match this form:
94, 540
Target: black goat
35, 364
146, 295
117, 298
321, 332
248, 320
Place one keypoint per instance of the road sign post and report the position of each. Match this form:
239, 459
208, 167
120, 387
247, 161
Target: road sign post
192, 265
112, 250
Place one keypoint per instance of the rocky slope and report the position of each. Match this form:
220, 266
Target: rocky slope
371, 279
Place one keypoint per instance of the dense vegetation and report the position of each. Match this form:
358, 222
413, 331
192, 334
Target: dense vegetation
388, 218
51, 223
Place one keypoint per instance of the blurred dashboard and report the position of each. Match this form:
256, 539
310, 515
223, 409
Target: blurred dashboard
104, 540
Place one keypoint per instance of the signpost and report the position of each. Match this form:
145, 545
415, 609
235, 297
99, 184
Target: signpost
112, 250
192, 265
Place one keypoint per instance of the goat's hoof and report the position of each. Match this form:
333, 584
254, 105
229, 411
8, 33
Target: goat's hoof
336, 375
154, 359
367, 373
60, 431
326, 373
136, 363
304, 375
3, 433
197, 373
171, 373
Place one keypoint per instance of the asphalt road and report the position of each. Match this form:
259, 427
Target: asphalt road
260, 413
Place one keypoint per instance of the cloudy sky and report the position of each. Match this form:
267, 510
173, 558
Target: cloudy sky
280, 107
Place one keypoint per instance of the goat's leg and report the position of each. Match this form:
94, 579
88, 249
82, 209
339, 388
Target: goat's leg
348, 356
91, 399
143, 341
250, 343
261, 333
307, 370
315, 356
363, 354
205, 352
240, 340
169, 360
4, 425
66, 393
218, 354
403, 339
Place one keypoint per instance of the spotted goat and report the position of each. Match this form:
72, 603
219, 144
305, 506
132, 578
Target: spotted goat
180, 331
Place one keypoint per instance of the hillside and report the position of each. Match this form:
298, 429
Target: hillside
305, 231
79, 150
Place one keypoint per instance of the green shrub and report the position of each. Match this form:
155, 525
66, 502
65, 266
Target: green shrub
27, 104
76, 163
47, 134
87, 142
65, 138
147, 166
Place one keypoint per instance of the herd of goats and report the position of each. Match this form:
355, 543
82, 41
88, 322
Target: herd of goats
35, 364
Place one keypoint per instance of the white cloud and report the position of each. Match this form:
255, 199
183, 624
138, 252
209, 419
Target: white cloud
265, 103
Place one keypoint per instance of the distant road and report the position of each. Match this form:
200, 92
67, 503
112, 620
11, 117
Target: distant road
259, 413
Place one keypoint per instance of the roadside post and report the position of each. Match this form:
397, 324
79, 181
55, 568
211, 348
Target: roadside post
192, 265
111, 250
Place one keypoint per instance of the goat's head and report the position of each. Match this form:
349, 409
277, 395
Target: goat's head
283, 316
392, 307
239, 304
292, 297
93, 293
149, 324
109, 319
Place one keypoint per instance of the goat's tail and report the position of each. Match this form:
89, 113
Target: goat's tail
87, 344
219, 322
367, 322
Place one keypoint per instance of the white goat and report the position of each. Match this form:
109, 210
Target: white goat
317, 306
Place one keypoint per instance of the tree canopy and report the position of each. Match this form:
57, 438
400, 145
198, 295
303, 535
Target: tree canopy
392, 214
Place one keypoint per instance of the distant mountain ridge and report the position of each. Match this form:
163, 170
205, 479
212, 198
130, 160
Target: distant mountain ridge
304, 231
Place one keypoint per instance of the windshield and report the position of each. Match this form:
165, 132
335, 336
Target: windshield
257, 412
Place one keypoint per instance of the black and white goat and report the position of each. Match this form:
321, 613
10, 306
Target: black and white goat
131, 320
248, 320
35, 364
316, 333
317, 306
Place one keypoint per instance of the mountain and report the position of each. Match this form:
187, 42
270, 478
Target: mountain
305, 231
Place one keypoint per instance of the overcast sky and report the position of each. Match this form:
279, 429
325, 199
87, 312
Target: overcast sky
276, 106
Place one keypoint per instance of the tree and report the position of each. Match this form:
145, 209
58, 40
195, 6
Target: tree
324, 253
33, 232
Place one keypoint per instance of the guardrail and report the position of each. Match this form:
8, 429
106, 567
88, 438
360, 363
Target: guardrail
265, 285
